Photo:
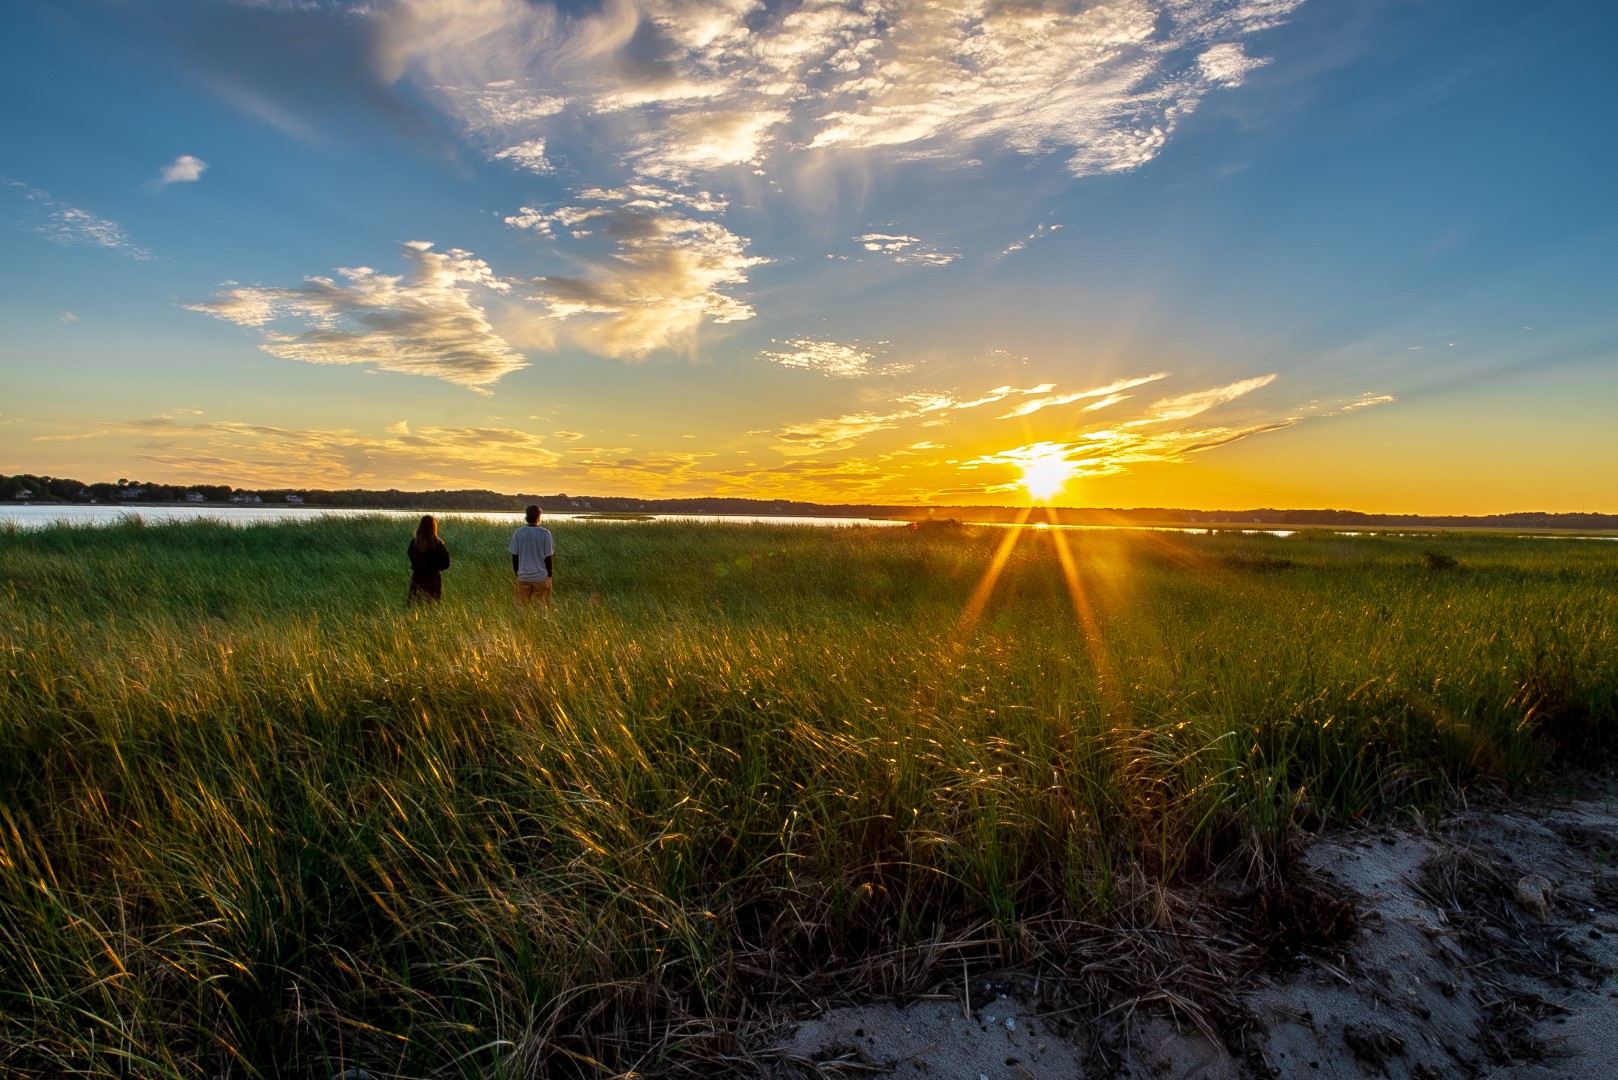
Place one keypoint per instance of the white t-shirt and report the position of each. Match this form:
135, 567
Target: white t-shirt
532, 545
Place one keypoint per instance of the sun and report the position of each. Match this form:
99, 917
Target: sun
1045, 471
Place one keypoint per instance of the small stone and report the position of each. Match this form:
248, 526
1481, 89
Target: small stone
1533, 895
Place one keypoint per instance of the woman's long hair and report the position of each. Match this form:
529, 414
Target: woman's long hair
426, 537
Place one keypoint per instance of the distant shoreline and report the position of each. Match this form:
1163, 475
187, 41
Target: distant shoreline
58, 491
1280, 523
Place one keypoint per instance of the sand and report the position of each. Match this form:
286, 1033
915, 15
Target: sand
1486, 946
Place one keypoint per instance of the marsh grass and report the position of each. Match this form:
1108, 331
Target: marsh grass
258, 817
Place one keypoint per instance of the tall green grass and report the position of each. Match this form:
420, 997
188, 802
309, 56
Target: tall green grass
259, 817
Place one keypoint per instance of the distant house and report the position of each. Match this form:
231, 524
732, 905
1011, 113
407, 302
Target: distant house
195, 496
246, 497
24, 494
296, 500
131, 493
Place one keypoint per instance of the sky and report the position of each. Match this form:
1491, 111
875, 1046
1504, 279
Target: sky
1209, 254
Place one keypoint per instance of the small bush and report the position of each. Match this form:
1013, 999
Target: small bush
1438, 560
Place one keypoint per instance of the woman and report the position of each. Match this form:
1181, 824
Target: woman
429, 558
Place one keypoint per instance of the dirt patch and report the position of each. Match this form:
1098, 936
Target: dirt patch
1485, 946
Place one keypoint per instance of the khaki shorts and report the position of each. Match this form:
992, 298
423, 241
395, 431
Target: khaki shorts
529, 591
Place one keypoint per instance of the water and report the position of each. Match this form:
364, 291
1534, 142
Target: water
33, 517
29, 516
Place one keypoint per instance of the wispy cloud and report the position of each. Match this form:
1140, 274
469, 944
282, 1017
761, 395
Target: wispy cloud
425, 323
1194, 404
687, 92
694, 86
1111, 451
264, 454
184, 169
1040, 231
68, 225
906, 249
1368, 401
825, 357
529, 155
838, 433
1109, 393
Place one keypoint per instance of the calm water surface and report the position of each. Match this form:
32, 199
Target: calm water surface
33, 517
27, 517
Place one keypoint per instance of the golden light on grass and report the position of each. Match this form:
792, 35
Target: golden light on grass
991, 573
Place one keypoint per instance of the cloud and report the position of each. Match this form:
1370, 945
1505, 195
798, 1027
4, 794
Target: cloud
71, 226
929, 402
1116, 450
425, 323
663, 275
1109, 394
529, 155
268, 455
906, 249
835, 434
1367, 401
1041, 231
67, 317
844, 431
1225, 436
826, 357
687, 86
184, 169
1188, 405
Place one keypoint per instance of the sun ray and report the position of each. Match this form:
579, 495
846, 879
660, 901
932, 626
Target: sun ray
1082, 607
991, 574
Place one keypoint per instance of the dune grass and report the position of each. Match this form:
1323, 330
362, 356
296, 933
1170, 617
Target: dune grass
259, 818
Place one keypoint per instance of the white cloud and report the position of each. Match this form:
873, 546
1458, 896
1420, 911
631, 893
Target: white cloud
67, 317
184, 169
664, 275
651, 99
1226, 64
688, 85
71, 226
426, 323
825, 357
906, 249
528, 155
1040, 231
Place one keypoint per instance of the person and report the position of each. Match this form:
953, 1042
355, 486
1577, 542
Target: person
429, 558
533, 560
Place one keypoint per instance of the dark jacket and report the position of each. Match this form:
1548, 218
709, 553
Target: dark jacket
426, 570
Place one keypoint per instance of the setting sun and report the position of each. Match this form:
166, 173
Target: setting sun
1045, 472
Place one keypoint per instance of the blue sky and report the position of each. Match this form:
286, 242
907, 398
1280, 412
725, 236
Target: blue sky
1200, 253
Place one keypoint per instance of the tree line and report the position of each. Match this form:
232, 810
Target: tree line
66, 490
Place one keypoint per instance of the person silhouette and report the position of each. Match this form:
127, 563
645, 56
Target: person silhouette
429, 558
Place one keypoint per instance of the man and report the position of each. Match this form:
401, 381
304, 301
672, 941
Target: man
533, 560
